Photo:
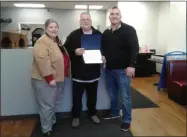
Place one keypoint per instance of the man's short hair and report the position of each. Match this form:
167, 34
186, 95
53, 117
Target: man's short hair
115, 7
85, 12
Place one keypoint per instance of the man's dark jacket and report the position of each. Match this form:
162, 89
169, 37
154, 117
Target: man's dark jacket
120, 47
79, 69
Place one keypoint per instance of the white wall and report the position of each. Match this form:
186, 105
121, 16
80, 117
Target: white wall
68, 19
163, 31
171, 27
177, 32
143, 16
171, 35
161, 25
163, 28
107, 17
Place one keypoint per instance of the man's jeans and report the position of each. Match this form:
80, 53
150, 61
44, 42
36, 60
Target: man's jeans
118, 82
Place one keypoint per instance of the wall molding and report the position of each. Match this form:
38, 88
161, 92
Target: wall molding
58, 114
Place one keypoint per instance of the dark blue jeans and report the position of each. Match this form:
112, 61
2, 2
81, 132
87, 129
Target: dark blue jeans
118, 82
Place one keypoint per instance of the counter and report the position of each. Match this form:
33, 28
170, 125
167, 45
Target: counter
17, 96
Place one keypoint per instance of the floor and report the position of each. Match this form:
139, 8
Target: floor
167, 120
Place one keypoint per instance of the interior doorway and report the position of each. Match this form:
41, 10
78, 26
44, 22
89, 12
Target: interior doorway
6, 43
36, 34
33, 30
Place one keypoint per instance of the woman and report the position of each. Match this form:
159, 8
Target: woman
50, 67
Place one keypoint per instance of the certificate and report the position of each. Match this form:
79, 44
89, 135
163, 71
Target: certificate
92, 57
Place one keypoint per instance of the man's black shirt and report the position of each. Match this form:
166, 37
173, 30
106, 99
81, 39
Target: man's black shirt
120, 47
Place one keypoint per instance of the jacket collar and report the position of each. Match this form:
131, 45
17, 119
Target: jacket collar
57, 40
54, 39
110, 27
93, 30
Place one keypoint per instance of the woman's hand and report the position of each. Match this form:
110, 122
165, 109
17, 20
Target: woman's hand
52, 83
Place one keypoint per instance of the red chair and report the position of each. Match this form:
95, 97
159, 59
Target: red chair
177, 81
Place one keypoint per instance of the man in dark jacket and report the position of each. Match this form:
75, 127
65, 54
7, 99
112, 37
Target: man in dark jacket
85, 76
120, 48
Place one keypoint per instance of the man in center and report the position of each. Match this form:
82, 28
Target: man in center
84, 76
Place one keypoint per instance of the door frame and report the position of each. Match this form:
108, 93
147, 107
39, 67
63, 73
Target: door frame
19, 24
32, 34
31, 22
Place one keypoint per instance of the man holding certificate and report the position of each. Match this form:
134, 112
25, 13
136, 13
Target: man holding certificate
120, 48
81, 45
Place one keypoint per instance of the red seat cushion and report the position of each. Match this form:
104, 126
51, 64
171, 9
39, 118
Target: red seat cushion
180, 83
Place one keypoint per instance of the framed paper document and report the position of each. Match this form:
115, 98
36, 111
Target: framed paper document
92, 57
91, 43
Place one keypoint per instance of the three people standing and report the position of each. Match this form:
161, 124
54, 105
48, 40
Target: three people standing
51, 65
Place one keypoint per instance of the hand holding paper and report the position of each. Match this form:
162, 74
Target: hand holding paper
79, 51
104, 59
92, 53
92, 57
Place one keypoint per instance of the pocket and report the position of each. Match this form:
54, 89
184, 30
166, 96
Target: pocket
121, 71
53, 86
40, 83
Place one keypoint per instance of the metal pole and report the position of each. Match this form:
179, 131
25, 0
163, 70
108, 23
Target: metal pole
88, 9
